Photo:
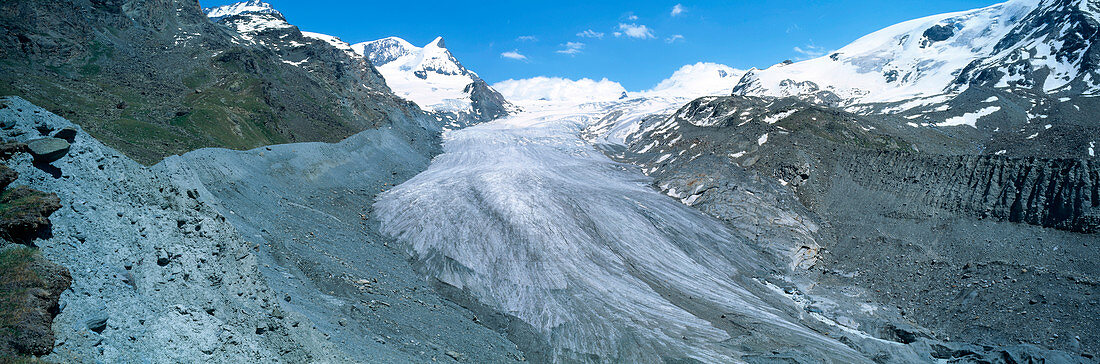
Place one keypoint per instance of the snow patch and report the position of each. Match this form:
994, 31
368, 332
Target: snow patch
970, 118
774, 118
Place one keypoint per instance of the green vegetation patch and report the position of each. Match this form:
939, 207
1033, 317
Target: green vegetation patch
97, 52
197, 79
232, 114
16, 276
18, 201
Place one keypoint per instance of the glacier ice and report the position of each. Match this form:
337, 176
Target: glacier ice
528, 219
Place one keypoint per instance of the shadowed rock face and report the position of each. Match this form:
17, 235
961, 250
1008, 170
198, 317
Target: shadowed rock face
938, 33
487, 102
1058, 193
807, 142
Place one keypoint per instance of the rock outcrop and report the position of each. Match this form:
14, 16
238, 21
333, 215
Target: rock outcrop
1058, 193
24, 213
30, 287
972, 247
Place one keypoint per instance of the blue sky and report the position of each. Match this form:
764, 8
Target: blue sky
740, 34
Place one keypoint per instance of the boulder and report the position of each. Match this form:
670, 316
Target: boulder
67, 133
48, 149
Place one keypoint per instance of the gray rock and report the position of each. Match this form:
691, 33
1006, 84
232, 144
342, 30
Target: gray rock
97, 323
48, 149
69, 134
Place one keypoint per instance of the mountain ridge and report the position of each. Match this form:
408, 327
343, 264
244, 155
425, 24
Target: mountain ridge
201, 84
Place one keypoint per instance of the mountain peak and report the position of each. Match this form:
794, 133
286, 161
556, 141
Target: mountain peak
437, 42
431, 77
385, 50
244, 7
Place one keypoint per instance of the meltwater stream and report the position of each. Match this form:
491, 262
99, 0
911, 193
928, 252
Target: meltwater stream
528, 219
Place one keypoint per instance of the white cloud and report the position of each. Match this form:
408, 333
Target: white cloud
571, 48
590, 34
677, 10
810, 50
559, 89
697, 80
635, 31
674, 39
527, 38
630, 16
618, 34
514, 55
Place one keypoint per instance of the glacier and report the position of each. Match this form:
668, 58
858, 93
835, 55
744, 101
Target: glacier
532, 221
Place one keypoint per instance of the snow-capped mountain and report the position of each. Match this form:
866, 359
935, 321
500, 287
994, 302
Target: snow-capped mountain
688, 82
697, 80
259, 22
1017, 78
251, 6
249, 18
1043, 46
433, 78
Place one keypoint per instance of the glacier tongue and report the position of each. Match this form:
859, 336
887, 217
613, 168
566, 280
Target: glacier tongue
528, 219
